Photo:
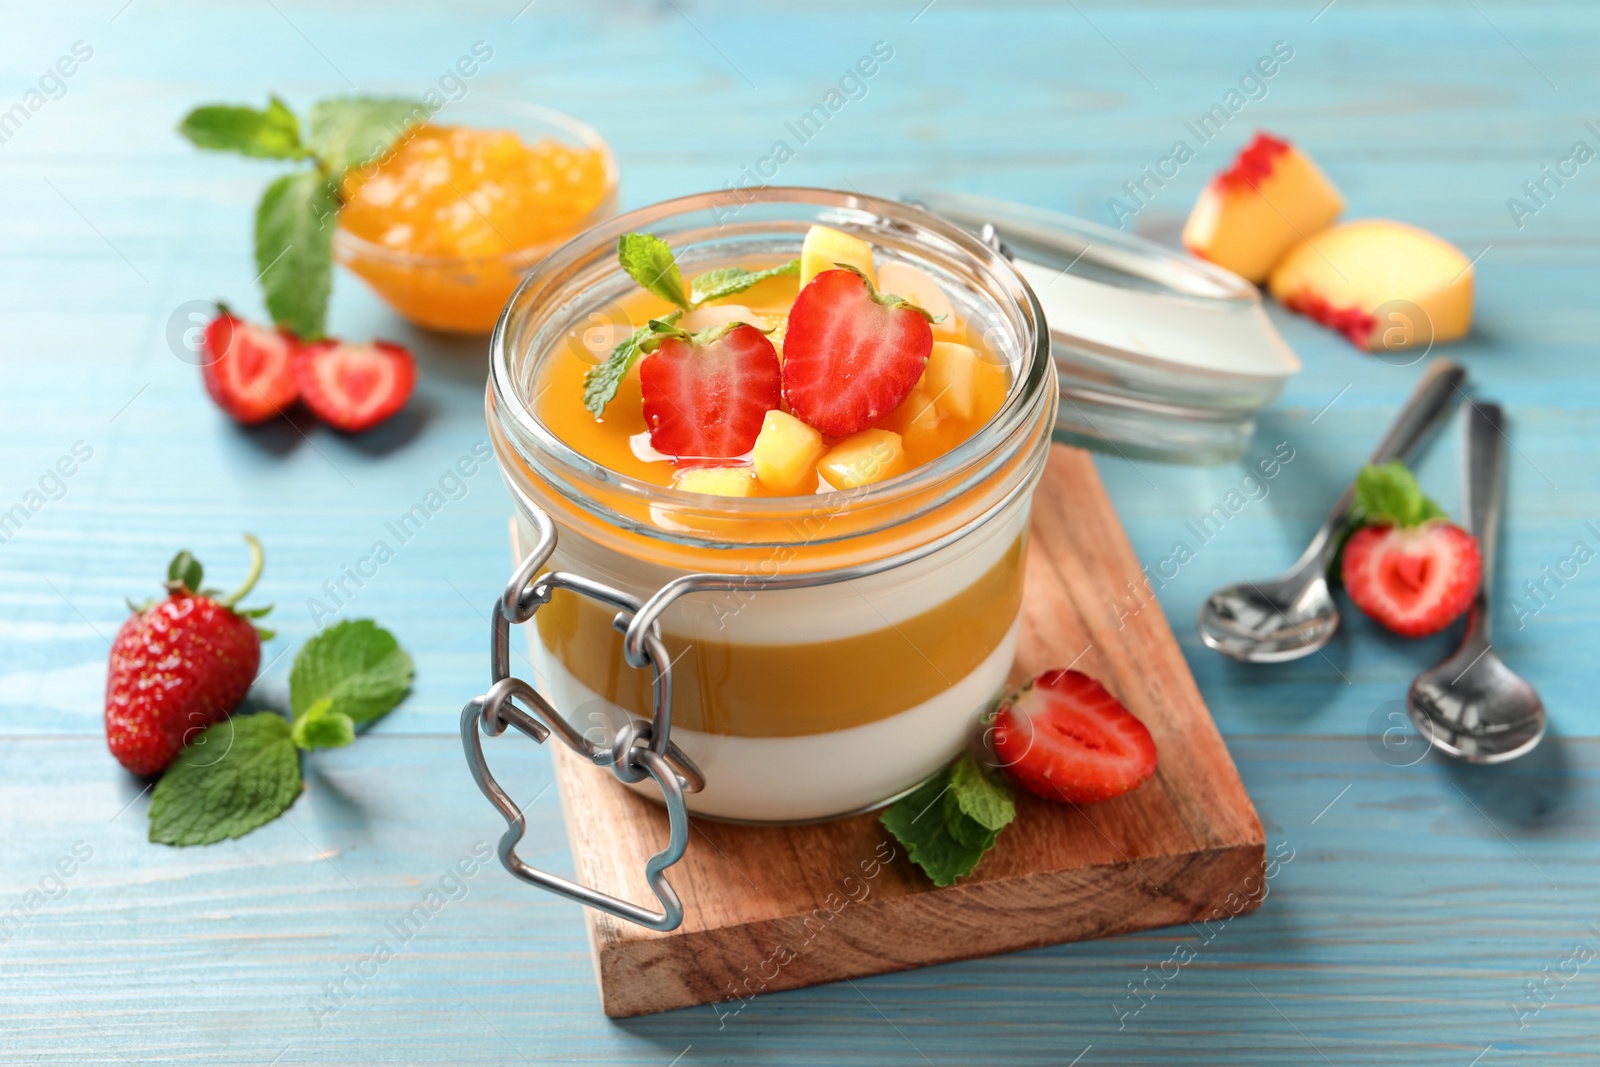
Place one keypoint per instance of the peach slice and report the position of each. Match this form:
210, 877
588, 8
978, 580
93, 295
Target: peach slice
1384, 285
1254, 212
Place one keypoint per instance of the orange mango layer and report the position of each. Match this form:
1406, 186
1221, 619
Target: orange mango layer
750, 690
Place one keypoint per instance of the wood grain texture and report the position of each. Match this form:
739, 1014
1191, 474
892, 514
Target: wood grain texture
773, 908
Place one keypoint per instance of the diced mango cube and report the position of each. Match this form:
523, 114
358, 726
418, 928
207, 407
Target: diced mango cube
863, 458
786, 454
916, 420
718, 481
951, 378
824, 249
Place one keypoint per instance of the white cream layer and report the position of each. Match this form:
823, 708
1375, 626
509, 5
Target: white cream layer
810, 614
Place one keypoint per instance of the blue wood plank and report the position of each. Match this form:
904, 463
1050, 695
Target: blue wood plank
1410, 906
1418, 904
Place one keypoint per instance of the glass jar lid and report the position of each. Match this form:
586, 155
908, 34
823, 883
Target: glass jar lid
1158, 354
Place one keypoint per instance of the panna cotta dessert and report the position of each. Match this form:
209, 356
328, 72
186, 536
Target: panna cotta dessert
839, 407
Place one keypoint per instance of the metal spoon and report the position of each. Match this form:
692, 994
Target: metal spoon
1279, 619
1471, 706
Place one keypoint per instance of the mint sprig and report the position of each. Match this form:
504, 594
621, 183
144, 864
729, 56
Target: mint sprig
648, 260
294, 222
1390, 496
244, 771
951, 821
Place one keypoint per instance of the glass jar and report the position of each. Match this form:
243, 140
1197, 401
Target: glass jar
827, 652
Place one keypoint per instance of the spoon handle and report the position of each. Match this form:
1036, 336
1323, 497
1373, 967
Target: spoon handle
1484, 457
1433, 398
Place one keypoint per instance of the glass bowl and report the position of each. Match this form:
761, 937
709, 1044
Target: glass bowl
466, 294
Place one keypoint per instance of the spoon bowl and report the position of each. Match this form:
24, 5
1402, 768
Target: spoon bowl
1472, 706
1271, 621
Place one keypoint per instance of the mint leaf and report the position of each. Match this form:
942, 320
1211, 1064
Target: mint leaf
322, 727
270, 134
351, 130
235, 776
965, 829
356, 666
649, 261
1390, 495
727, 281
600, 383
945, 847
980, 796
294, 250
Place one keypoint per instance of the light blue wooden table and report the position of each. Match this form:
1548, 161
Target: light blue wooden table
1422, 898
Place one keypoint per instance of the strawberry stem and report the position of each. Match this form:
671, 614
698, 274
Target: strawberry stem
258, 559
888, 300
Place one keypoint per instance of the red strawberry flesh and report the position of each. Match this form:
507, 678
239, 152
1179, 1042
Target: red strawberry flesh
1414, 580
248, 369
1065, 738
850, 359
707, 401
1254, 163
1355, 324
354, 387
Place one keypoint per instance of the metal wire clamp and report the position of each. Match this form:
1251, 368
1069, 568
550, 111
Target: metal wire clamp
640, 750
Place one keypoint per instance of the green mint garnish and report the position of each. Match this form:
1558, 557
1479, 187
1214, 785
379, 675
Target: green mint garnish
295, 221
357, 666
294, 250
648, 260
237, 775
600, 384
350, 131
729, 281
1389, 495
949, 822
273, 133
244, 771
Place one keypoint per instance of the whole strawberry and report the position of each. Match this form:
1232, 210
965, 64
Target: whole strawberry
180, 664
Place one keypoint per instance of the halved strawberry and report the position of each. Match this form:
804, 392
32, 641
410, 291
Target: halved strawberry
706, 394
354, 387
1414, 579
249, 369
1063, 737
851, 354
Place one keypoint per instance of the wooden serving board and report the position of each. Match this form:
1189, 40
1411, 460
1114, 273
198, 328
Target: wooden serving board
778, 908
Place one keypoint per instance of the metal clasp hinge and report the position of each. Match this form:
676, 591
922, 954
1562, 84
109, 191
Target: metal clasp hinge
640, 750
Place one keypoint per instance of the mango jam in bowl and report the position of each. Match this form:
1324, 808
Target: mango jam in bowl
848, 437
445, 224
